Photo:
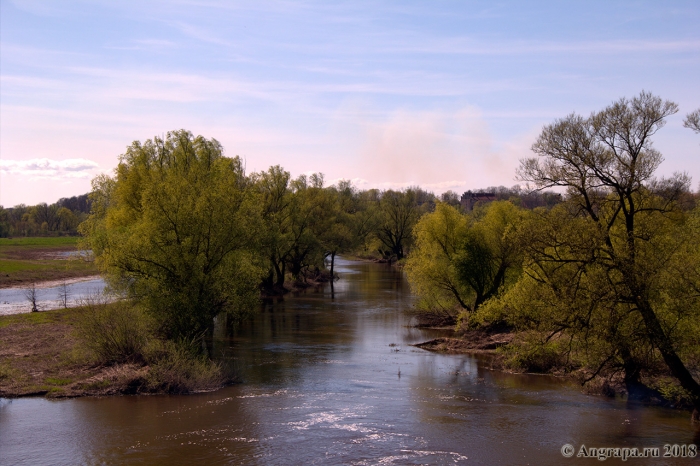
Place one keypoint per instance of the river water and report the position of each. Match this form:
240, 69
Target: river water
329, 377
51, 295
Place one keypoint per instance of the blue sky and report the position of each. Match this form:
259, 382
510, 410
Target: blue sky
446, 95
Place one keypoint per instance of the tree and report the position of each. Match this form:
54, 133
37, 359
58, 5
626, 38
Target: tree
292, 211
490, 257
4, 222
692, 121
398, 213
67, 220
275, 196
306, 220
626, 219
450, 197
177, 229
63, 294
31, 294
431, 269
459, 261
46, 214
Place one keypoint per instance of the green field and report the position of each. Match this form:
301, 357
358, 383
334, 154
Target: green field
36, 259
50, 241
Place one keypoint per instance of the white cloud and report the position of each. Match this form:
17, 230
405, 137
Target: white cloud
48, 168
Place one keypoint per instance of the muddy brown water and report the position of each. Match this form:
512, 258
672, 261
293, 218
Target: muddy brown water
329, 377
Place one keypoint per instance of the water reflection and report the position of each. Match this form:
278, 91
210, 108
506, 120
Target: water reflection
329, 377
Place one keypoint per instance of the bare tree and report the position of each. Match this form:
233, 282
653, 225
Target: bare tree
692, 121
30, 294
63, 294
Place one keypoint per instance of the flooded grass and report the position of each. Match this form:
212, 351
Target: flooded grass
27, 260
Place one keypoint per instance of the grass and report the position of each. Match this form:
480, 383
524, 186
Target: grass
15, 266
38, 318
57, 381
50, 241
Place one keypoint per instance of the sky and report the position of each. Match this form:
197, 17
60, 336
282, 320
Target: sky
447, 95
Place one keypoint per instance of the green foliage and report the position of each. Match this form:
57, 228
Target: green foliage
295, 214
459, 261
532, 354
122, 333
672, 391
431, 271
613, 269
60, 218
398, 213
178, 229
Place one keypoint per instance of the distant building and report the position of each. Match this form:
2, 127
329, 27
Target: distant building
469, 199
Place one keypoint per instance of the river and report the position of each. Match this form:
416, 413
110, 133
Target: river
51, 295
329, 377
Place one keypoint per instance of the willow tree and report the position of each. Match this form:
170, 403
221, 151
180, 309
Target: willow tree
459, 262
398, 213
176, 228
614, 270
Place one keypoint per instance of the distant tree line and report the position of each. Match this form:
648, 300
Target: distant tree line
59, 218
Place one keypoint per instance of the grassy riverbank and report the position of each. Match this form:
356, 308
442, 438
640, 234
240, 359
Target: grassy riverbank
44, 354
505, 352
28, 260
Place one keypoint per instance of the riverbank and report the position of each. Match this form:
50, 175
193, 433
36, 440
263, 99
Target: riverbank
41, 355
657, 389
24, 261
473, 341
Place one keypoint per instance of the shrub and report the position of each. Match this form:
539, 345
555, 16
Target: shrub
532, 355
114, 333
671, 390
122, 334
179, 368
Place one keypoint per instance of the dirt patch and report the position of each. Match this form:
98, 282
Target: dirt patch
37, 253
39, 355
473, 341
440, 321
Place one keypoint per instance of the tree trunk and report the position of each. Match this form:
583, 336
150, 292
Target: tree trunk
279, 272
332, 265
632, 379
671, 358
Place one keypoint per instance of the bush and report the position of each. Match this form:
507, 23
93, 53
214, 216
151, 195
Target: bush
671, 390
532, 355
178, 368
114, 333
122, 334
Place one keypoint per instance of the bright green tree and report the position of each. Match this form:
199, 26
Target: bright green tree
459, 261
177, 229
